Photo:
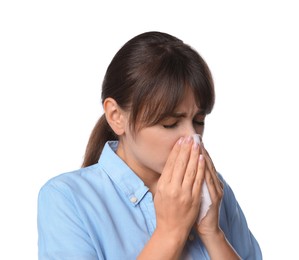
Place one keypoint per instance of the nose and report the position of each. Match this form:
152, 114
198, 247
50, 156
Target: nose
196, 136
193, 130
189, 131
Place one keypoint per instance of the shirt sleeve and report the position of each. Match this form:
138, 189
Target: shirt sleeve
61, 233
236, 229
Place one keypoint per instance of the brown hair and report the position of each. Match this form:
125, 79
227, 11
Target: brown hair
149, 76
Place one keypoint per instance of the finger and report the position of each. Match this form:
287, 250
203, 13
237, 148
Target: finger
214, 186
192, 168
182, 161
213, 173
199, 178
169, 165
209, 161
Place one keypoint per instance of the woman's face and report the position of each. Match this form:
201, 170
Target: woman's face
147, 150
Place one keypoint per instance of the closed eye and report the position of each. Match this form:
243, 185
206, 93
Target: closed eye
199, 123
170, 126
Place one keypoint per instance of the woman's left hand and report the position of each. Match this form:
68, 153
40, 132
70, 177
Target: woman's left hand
209, 225
208, 229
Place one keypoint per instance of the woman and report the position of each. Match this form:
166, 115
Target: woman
138, 194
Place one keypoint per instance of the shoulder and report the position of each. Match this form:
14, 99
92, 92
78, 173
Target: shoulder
229, 196
234, 224
74, 182
229, 204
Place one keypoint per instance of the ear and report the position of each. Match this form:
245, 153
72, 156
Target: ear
115, 116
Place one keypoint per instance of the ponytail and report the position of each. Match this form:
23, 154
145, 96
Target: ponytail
99, 136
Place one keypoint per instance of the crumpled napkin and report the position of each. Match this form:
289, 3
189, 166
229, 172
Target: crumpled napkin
205, 195
205, 202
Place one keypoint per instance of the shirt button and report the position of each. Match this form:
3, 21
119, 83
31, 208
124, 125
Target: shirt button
191, 237
133, 199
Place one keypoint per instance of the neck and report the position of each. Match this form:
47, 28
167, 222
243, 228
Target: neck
149, 177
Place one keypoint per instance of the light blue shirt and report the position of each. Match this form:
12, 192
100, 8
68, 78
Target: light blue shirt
105, 211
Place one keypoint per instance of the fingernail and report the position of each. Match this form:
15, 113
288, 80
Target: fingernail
195, 145
188, 140
180, 140
201, 157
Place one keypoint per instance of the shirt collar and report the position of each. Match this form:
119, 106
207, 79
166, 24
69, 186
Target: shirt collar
121, 174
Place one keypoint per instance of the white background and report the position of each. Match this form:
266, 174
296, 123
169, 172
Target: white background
53, 56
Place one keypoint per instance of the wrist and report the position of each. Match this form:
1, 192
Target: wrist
218, 246
174, 237
163, 245
216, 236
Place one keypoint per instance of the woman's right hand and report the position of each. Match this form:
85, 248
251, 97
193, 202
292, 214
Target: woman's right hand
178, 193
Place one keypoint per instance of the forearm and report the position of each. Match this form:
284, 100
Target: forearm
219, 248
163, 246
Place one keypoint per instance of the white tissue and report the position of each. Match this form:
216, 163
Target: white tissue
197, 139
205, 202
205, 195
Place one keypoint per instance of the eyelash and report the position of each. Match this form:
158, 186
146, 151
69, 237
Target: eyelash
170, 126
198, 123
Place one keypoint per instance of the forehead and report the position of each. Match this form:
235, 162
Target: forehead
188, 103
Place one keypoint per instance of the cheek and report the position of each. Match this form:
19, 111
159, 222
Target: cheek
160, 152
154, 148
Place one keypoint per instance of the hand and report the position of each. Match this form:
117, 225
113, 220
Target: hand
209, 225
208, 229
177, 198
